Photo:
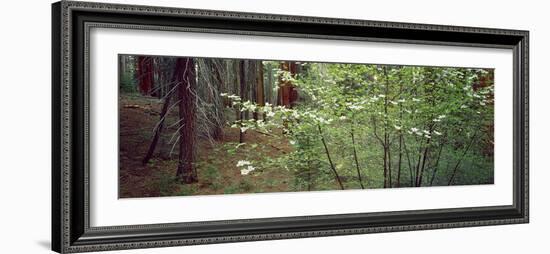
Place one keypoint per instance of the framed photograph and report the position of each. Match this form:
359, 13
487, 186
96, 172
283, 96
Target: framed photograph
181, 126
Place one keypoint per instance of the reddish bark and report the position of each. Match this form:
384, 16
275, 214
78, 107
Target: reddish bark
260, 99
145, 74
287, 94
489, 129
242, 84
164, 111
186, 82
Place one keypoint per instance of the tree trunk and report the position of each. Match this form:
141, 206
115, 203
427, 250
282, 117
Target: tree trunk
158, 130
185, 73
430, 130
457, 165
400, 158
287, 95
218, 129
329, 158
260, 99
356, 160
390, 182
269, 88
436, 166
122, 65
387, 154
242, 84
417, 170
145, 74
411, 174
398, 184
424, 158
164, 111
250, 84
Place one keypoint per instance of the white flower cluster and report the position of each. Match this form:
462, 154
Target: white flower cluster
282, 113
322, 120
246, 167
242, 163
439, 118
259, 124
285, 76
356, 107
248, 106
234, 97
423, 133
247, 170
244, 128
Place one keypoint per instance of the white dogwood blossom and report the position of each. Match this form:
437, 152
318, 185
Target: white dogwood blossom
247, 170
243, 163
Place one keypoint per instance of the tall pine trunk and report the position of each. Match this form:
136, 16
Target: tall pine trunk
269, 88
242, 91
219, 114
287, 95
260, 99
145, 74
185, 73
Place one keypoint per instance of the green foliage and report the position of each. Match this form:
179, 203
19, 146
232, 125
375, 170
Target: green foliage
232, 189
211, 176
390, 126
165, 183
187, 190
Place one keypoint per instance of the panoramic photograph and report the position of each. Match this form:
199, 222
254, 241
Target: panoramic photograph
204, 126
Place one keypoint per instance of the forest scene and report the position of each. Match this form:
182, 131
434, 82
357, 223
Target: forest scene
201, 126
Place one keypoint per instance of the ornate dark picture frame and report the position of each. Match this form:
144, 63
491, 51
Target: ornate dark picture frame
71, 231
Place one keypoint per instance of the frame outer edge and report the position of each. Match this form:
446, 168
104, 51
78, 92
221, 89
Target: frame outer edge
66, 107
526, 166
65, 112
178, 11
56, 129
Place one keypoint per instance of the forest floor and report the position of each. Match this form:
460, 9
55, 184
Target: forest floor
215, 160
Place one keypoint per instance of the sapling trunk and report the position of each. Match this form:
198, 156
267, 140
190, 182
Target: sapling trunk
329, 159
355, 157
460, 160
409, 162
399, 160
436, 166
158, 129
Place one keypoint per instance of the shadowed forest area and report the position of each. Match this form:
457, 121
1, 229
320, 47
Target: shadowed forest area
197, 126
